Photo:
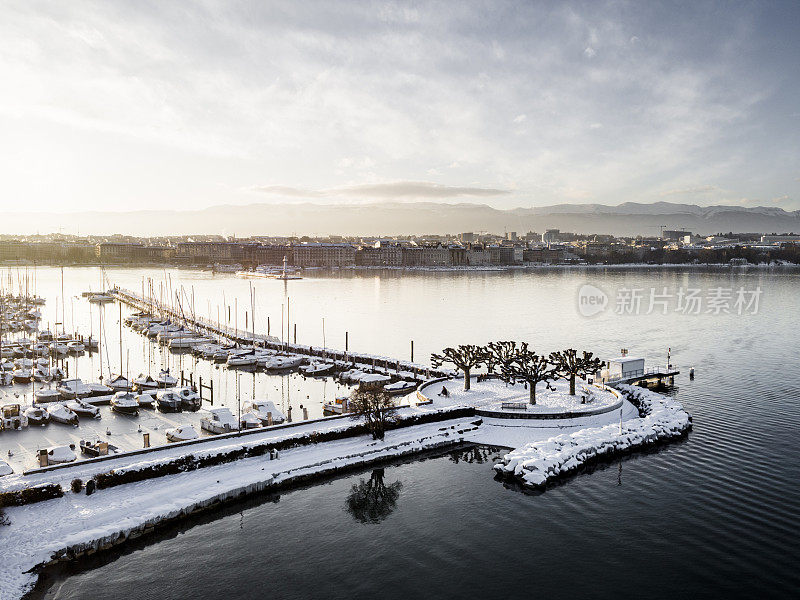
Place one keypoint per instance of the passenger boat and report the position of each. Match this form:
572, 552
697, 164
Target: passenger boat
218, 420
168, 401
83, 408
125, 403
37, 416
12, 417
264, 410
98, 448
61, 414
181, 434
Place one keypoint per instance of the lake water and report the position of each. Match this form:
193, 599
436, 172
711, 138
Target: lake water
713, 515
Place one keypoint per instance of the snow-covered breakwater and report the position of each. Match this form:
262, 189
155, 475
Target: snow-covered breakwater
660, 419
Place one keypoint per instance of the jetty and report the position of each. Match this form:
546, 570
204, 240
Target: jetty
232, 335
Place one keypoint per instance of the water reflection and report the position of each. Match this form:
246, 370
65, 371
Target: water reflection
477, 455
371, 501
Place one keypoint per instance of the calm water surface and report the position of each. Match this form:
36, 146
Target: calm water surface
713, 515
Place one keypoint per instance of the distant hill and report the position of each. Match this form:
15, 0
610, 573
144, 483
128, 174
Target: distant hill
410, 218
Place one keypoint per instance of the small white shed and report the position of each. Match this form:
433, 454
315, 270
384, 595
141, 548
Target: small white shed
625, 367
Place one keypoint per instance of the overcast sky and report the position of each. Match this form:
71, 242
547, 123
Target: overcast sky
123, 105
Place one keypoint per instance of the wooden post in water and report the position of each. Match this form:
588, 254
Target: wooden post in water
295, 333
412, 351
346, 341
146, 439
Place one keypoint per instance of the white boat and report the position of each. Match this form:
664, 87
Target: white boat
164, 379
373, 381
23, 363
23, 375
182, 343
144, 382
146, 399
218, 420
91, 343
73, 388
75, 347
98, 389
338, 406
40, 349
181, 434
125, 403
5, 469
283, 363
400, 388
83, 408
57, 373
37, 416
44, 395
61, 414
60, 455
6, 378
59, 349
250, 420
12, 417
264, 410
317, 369
190, 399
100, 298
118, 383
246, 358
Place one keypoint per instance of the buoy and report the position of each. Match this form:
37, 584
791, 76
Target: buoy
108, 432
691, 373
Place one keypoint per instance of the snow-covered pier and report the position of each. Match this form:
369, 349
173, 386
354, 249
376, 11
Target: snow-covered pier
233, 335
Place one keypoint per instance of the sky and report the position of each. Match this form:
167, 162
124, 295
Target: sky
120, 106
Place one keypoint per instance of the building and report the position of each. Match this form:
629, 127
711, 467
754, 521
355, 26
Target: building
551, 236
324, 255
209, 252
674, 234
466, 238
778, 239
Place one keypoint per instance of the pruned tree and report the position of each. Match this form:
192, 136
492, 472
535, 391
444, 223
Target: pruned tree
376, 407
531, 368
570, 365
499, 354
465, 357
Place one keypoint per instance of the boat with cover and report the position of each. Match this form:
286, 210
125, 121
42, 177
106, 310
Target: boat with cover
98, 389
44, 395
181, 434
264, 410
250, 420
190, 399
73, 388
146, 399
317, 369
5, 468
61, 414
164, 379
218, 420
168, 401
97, 448
118, 383
338, 406
283, 363
22, 375
37, 416
144, 382
75, 347
42, 374
400, 388
60, 455
242, 358
83, 408
125, 403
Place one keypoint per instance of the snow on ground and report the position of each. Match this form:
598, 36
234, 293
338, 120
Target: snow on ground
537, 462
39, 531
491, 393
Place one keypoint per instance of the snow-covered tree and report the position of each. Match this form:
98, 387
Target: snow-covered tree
376, 407
529, 367
465, 357
569, 365
499, 354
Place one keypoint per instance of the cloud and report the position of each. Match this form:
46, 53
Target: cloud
387, 191
692, 191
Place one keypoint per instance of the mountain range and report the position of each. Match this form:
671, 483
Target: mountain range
395, 218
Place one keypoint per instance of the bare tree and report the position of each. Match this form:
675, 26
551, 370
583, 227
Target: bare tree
531, 368
372, 501
499, 354
465, 357
570, 365
376, 407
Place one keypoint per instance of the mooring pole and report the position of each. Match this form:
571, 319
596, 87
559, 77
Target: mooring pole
412, 351
346, 341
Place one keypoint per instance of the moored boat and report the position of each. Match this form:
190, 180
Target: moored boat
218, 420
60, 455
146, 399
98, 448
264, 410
12, 417
37, 416
83, 408
125, 403
47, 395
190, 399
168, 401
61, 414
181, 434
118, 383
